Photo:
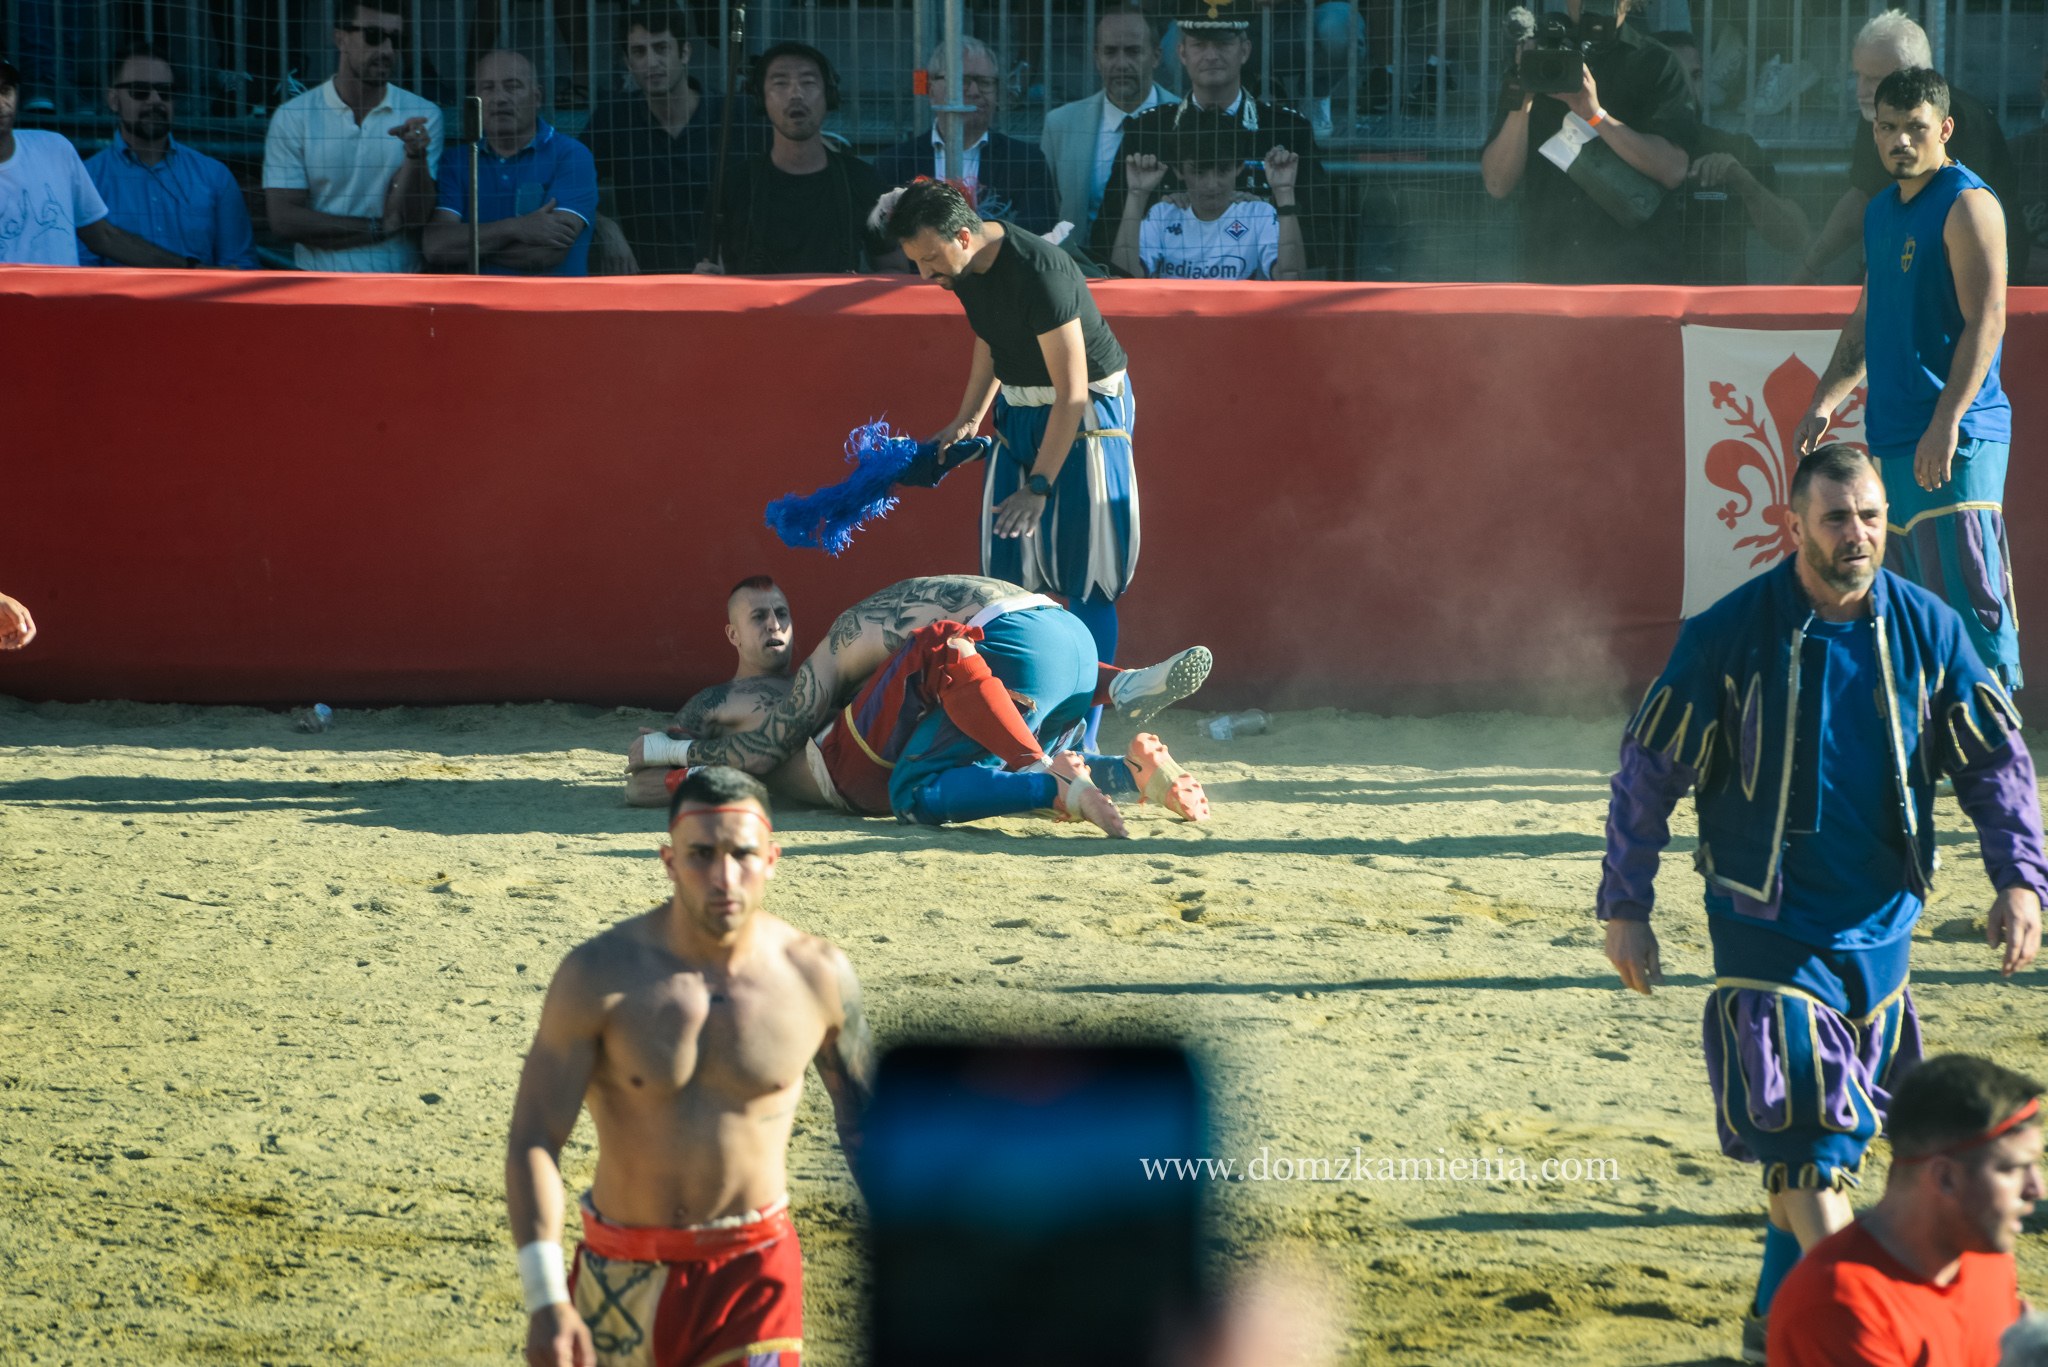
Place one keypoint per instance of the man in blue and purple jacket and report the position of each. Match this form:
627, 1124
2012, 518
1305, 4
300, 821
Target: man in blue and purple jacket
1812, 712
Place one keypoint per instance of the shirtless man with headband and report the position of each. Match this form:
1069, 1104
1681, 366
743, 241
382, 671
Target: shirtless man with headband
686, 1031
954, 682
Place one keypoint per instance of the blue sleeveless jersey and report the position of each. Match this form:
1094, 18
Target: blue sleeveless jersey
1913, 320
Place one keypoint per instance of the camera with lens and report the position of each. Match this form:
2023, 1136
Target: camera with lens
1552, 66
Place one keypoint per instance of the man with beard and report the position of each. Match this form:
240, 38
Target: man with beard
1059, 506
1812, 711
348, 167
159, 189
1931, 323
49, 207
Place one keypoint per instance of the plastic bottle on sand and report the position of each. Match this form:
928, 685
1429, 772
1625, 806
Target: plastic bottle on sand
1233, 724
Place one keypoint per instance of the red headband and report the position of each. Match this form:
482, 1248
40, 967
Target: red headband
2005, 1126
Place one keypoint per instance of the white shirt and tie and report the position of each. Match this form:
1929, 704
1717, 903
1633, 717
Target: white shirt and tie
1109, 139
1080, 141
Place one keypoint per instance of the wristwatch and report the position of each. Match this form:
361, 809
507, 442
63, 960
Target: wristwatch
1040, 485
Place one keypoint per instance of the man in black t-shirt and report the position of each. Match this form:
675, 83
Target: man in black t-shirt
657, 149
1731, 188
1059, 509
801, 207
1886, 44
1633, 115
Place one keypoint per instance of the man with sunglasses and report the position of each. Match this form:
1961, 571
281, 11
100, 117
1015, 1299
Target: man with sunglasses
48, 205
348, 167
159, 189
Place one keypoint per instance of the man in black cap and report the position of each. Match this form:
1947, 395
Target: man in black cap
1215, 44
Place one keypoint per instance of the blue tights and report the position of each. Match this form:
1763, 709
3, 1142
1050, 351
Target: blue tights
973, 791
1098, 614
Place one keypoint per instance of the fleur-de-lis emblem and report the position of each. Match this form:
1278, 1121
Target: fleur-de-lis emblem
1765, 447
1906, 254
1216, 7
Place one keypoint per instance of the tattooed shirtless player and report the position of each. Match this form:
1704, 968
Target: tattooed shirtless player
958, 686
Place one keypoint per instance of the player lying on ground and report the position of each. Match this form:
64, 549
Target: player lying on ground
963, 687
686, 1031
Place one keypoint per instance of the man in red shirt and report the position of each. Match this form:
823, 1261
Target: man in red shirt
1926, 1276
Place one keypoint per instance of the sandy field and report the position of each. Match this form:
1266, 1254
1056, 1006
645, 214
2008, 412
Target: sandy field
265, 997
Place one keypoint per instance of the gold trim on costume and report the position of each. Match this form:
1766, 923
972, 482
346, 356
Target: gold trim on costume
1969, 507
862, 741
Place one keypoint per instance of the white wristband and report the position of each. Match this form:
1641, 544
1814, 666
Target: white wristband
656, 748
542, 1274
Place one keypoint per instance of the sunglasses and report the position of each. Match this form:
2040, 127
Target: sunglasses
142, 90
376, 35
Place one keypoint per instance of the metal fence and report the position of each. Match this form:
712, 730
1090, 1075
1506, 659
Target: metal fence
1401, 91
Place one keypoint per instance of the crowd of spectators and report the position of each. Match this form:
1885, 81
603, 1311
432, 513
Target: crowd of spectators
1618, 180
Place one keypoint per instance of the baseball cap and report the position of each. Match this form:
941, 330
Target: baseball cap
9, 75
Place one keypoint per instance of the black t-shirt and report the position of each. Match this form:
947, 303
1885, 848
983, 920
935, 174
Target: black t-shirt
1715, 222
1570, 239
1031, 289
1977, 143
816, 224
661, 185
2030, 206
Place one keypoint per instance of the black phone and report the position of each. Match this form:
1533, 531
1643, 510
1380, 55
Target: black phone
1013, 1218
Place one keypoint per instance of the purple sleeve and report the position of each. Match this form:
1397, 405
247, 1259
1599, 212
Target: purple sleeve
1646, 787
1998, 794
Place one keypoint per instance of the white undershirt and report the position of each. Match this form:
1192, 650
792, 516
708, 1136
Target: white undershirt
970, 161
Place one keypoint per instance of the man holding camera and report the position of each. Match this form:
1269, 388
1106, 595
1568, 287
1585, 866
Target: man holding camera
1599, 123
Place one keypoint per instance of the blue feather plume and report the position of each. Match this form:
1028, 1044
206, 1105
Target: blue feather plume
828, 518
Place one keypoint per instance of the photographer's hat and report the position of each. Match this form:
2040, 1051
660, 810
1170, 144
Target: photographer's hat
9, 76
1216, 16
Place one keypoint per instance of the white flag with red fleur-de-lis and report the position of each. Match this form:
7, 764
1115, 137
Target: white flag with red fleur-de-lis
1745, 391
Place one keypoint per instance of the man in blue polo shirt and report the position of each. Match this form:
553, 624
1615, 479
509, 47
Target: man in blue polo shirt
159, 189
536, 187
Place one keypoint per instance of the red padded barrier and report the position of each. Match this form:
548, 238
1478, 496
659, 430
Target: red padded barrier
281, 487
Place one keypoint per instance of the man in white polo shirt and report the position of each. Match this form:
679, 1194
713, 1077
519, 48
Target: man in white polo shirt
348, 167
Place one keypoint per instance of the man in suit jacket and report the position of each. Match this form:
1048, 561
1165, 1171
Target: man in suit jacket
1007, 178
1081, 139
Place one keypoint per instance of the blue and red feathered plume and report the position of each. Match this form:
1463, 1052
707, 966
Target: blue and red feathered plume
883, 458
